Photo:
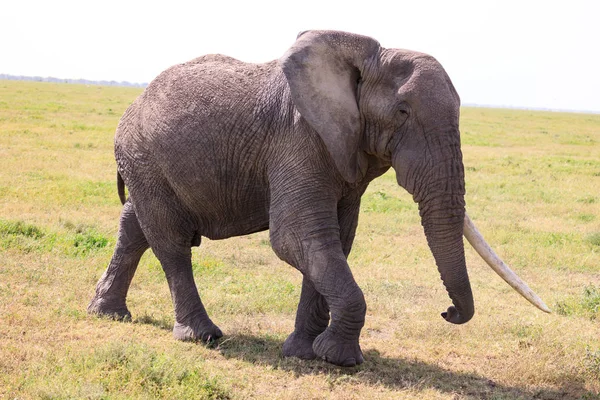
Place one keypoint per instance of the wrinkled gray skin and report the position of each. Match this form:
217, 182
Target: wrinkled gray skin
216, 147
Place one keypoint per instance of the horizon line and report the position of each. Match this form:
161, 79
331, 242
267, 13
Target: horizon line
103, 82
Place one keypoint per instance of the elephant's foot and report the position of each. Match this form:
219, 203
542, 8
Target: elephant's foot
204, 331
298, 345
333, 348
112, 309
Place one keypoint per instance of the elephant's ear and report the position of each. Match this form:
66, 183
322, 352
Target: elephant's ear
323, 69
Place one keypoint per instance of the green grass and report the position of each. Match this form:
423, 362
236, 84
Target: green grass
533, 182
120, 370
586, 305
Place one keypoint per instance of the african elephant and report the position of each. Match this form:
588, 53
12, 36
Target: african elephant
217, 147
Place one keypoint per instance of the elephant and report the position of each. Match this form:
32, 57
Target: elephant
216, 148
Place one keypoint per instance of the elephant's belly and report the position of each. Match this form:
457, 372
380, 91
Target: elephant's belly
223, 195
237, 226
230, 215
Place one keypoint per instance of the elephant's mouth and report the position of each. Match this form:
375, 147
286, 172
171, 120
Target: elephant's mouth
485, 251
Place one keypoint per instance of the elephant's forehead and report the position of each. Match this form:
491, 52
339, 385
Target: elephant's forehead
419, 79
401, 57
409, 68
407, 62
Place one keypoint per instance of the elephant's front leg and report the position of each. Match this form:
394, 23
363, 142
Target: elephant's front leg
312, 317
331, 276
329, 284
317, 252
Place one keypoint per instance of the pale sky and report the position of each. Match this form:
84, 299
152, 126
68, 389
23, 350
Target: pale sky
520, 53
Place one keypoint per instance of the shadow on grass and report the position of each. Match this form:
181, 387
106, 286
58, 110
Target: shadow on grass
395, 373
161, 323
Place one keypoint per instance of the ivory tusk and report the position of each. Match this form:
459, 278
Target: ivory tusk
486, 252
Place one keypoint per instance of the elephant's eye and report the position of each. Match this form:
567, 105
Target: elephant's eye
403, 109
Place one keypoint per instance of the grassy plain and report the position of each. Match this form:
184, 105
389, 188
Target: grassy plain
533, 182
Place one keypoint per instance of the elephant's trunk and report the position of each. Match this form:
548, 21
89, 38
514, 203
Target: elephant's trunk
437, 185
442, 219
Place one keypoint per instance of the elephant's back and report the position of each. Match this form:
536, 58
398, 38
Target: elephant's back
208, 83
198, 125
206, 109
208, 96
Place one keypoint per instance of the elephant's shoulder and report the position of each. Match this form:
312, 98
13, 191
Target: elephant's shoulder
214, 59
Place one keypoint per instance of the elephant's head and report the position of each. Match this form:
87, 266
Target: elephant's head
401, 107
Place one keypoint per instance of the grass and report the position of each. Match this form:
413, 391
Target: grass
533, 182
587, 305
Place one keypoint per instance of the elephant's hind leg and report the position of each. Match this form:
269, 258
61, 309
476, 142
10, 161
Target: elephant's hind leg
191, 319
171, 232
111, 290
312, 319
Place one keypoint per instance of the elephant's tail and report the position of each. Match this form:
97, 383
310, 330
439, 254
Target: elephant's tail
121, 188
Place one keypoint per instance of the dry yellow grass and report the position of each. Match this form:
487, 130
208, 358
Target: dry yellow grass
533, 182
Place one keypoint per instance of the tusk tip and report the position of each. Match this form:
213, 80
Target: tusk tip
545, 309
540, 304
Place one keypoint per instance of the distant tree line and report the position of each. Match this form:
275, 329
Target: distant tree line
59, 80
